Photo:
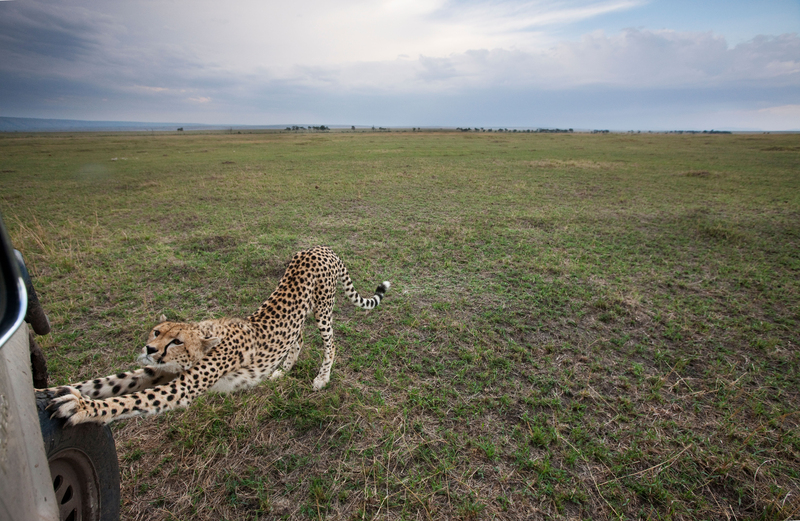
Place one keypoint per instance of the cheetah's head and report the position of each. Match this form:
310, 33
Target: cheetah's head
176, 346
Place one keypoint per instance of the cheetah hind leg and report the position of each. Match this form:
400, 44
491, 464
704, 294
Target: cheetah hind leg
289, 361
323, 316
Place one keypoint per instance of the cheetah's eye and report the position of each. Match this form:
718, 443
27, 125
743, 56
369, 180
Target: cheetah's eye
156, 333
175, 342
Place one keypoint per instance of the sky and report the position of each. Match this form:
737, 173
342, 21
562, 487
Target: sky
583, 64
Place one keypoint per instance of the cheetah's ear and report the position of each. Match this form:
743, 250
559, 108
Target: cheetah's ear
162, 318
209, 343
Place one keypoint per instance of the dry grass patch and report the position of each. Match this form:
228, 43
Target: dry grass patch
579, 164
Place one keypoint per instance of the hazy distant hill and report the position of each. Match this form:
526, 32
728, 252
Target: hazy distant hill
74, 125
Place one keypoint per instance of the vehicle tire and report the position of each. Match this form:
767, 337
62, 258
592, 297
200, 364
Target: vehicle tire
38, 363
83, 466
34, 315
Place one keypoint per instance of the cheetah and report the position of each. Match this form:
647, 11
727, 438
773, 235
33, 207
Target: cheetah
183, 360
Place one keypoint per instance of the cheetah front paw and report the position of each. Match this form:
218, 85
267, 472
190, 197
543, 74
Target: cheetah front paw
69, 405
320, 382
276, 374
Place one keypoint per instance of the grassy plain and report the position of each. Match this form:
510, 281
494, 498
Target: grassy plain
580, 326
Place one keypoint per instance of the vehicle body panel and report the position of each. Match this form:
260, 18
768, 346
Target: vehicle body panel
27, 490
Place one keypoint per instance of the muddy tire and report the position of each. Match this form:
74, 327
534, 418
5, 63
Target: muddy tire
83, 466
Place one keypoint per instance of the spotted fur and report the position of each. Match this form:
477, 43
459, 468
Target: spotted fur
184, 360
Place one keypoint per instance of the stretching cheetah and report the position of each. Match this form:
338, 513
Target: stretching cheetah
183, 360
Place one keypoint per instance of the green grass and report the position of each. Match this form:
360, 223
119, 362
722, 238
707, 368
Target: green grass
579, 326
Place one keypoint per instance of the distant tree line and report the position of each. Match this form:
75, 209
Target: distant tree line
698, 132
295, 128
527, 131
324, 128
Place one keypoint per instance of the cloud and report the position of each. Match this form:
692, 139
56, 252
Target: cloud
355, 45
503, 17
78, 43
376, 31
52, 31
151, 90
783, 117
252, 33
251, 61
632, 59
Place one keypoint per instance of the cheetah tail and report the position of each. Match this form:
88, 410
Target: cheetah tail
358, 300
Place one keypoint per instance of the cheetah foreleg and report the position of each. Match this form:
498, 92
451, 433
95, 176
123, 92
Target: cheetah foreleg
75, 408
121, 383
178, 393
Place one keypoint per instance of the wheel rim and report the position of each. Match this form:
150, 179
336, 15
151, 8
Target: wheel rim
76, 486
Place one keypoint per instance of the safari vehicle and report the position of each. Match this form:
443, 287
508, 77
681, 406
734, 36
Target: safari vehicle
48, 472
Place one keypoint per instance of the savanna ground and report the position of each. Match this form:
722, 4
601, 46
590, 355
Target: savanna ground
580, 326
